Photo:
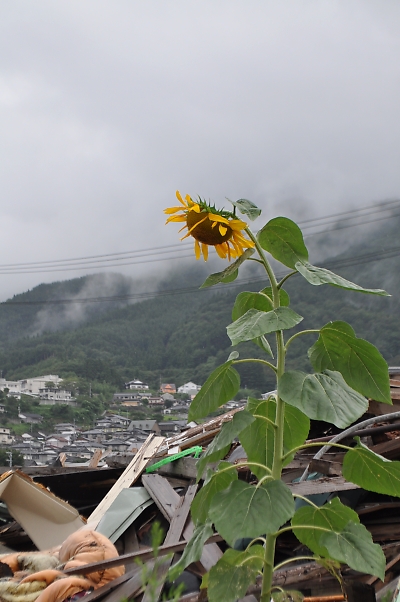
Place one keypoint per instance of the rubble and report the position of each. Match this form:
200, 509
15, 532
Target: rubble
158, 484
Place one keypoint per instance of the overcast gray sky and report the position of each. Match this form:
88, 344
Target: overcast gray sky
109, 106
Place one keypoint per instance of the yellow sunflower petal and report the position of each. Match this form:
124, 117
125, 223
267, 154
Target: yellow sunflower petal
222, 230
180, 199
189, 200
176, 218
238, 248
204, 248
195, 207
221, 250
237, 224
242, 240
218, 218
197, 249
172, 209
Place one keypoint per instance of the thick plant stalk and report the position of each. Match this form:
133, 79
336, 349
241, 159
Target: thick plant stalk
279, 421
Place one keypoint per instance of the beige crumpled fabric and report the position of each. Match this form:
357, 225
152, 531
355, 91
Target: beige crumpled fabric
48, 583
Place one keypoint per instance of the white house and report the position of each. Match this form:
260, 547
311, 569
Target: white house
189, 388
136, 384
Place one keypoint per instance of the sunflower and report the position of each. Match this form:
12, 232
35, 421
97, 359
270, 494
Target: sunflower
210, 227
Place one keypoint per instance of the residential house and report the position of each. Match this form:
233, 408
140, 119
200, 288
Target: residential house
149, 426
5, 436
136, 384
168, 388
52, 395
155, 401
124, 397
29, 418
189, 388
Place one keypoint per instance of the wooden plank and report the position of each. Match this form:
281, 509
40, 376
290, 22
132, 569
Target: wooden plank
174, 534
179, 519
325, 485
128, 477
388, 449
326, 467
94, 460
165, 497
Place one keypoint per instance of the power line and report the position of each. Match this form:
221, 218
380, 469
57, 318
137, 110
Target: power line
340, 263
108, 260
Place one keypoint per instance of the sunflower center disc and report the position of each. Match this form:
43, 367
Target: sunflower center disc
205, 232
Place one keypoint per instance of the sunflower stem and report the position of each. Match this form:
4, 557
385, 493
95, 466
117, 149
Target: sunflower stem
277, 462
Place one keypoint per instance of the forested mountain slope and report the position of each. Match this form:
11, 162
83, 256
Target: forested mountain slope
182, 336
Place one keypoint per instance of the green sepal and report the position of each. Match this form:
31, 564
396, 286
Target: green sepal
324, 396
221, 386
230, 273
230, 577
358, 361
370, 471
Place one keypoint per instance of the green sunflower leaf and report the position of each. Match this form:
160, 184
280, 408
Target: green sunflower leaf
324, 396
333, 516
244, 510
192, 551
255, 323
229, 431
318, 276
209, 458
283, 239
246, 300
247, 208
258, 438
261, 301
230, 273
359, 362
333, 531
219, 480
230, 577
354, 547
371, 472
221, 386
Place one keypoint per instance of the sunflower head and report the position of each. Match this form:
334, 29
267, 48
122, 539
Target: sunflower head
210, 227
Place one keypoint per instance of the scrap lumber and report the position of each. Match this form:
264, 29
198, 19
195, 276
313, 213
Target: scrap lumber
323, 485
174, 534
193, 435
95, 459
128, 477
165, 497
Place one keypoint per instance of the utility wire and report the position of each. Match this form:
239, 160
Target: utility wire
345, 262
106, 260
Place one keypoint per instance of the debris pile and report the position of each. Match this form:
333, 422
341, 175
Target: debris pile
100, 542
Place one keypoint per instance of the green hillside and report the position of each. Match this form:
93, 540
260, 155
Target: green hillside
182, 336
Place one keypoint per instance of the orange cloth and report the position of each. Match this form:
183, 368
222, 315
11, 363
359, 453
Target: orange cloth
80, 548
